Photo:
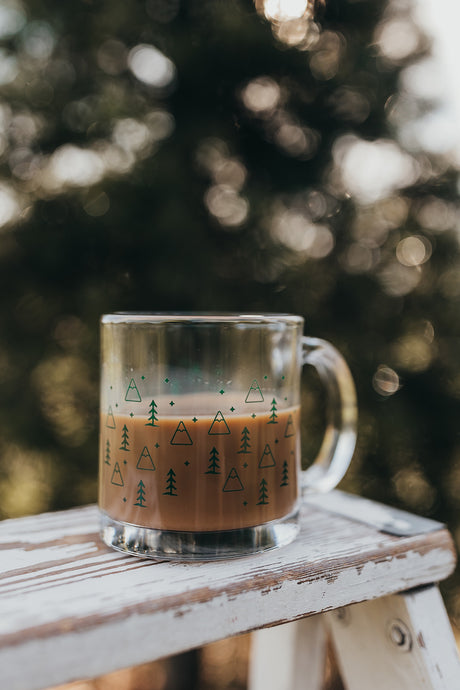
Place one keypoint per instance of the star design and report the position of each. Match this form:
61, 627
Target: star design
245, 503
186, 463
194, 419
245, 465
166, 380
232, 409
221, 391
131, 414
172, 403
157, 445
253, 415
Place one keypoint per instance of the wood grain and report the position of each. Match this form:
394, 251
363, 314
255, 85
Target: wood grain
72, 608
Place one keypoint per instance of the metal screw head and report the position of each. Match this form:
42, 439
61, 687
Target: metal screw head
399, 635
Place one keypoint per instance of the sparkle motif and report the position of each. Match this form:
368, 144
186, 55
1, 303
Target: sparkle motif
221, 391
172, 403
232, 409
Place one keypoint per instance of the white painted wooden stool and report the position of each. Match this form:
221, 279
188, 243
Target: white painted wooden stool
70, 608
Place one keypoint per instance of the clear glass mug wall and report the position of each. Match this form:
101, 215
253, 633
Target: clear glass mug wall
200, 431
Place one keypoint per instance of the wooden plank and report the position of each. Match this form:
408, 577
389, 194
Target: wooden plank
72, 608
283, 657
403, 641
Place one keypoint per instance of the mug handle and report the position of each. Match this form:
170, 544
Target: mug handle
339, 440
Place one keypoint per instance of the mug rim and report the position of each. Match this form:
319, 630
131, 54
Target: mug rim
152, 317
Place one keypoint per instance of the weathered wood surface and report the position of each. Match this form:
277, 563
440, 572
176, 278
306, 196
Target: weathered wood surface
72, 608
403, 641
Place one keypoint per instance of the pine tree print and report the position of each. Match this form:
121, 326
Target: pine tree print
273, 416
213, 467
140, 495
263, 493
124, 438
152, 416
285, 475
245, 445
107, 453
170, 484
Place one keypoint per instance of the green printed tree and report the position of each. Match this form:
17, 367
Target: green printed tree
213, 467
152, 416
124, 438
140, 495
170, 484
107, 452
273, 416
245, 445
285, 474
263, 493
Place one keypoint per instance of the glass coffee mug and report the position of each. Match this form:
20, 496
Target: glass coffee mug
200, 431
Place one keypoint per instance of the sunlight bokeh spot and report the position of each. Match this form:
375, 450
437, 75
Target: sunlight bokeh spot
150, 66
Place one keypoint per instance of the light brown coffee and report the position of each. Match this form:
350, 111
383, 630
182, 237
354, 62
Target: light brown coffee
199, 472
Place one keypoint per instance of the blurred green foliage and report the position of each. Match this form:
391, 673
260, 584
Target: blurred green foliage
222, 155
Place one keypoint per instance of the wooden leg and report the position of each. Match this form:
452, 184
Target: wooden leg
289, 657
403, 641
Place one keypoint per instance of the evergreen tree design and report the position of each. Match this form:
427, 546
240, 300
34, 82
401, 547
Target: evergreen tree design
285, 474
170, 484
140, 495
244, 445
273, 416
124, 438
213, 467
263, 493
152, 417
107, 452
117, 478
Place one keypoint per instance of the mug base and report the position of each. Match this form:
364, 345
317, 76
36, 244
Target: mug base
197, 546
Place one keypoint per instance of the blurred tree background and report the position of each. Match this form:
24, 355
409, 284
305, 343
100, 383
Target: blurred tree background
226, 155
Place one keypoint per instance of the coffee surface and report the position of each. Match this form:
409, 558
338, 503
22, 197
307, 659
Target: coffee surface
199, 472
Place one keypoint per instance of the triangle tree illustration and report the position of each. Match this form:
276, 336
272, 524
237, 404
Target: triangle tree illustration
273, 417
181, 437
254, 393
213, 467
263, 493
125, 439
117, 478
289, 430
285, 474
170, 484
107, 453
140, 495
219, 426
244, 445
152, 416
267, 459
110, 419
145, 461
233, 482
132, 393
